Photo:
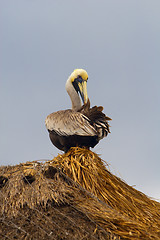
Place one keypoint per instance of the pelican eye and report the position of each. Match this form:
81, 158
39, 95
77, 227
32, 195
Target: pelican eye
79, 79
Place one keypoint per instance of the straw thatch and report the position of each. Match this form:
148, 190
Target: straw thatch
73, 196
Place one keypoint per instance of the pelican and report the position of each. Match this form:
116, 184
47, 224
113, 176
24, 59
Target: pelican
80, 126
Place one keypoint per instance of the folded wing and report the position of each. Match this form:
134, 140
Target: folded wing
97, 119
69, 122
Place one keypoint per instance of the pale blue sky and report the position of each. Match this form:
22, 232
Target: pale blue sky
118, 43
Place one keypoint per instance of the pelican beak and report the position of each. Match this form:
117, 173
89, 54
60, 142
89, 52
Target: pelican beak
83, 91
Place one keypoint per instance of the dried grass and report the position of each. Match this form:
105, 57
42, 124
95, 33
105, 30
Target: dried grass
80, 179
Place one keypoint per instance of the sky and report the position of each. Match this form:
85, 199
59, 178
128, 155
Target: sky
118, 44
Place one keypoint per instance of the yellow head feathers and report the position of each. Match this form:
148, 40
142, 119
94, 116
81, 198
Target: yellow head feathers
79, 72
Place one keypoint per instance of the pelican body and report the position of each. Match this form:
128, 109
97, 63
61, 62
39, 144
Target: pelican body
80, 126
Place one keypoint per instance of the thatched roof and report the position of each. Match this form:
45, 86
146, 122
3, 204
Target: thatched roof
73, 196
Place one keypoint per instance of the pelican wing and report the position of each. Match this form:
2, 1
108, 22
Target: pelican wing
97, 119
69, 122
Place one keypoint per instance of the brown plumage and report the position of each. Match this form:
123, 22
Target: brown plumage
97, 119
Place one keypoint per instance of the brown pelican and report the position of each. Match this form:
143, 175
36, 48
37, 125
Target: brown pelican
80, 126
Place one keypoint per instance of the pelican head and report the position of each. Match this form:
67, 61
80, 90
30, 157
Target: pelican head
77, 84
79, 79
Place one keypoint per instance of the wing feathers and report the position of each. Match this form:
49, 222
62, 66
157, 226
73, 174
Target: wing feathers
97, 119
86, 122
69, 122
